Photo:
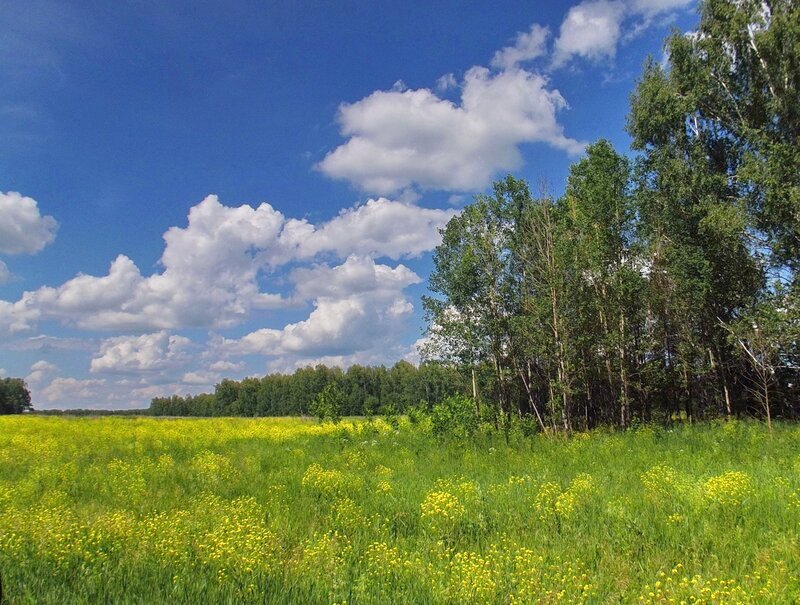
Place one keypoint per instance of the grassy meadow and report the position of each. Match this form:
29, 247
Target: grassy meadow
142, 510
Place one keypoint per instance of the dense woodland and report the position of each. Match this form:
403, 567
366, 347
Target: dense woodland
364, 391
662, 284
658, 285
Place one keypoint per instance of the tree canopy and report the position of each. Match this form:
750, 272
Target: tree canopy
660, 286
14, 396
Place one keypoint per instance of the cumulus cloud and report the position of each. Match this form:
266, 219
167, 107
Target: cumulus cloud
146, 353
413, 353
72, 392
593, 29
590, 30
17, 317
206, 379
379, 228
527, 46
359, 306
209, 277
211, 267
227, 366
40, 371
23, 230
446, 82
404, 138
399, 139
51, 389
356, 276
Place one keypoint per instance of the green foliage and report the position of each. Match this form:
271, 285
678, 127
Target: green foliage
455, 416
371, 406
417, 413
329, 403
729, 102
613, 303
528, 426
14, 396
390, 415
365, 389
767, 338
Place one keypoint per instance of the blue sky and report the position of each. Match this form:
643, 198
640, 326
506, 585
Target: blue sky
198, 190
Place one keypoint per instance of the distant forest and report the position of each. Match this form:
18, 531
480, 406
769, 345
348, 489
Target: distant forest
662, 284
365, 391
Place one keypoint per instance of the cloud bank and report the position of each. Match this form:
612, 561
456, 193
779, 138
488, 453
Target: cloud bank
218, 271
212, 268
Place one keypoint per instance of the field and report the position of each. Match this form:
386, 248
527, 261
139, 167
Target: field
141, 510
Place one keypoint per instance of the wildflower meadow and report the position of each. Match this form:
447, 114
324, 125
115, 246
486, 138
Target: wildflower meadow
143, 510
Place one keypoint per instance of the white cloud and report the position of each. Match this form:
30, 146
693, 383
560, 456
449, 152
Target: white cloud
107, 393
142, 395
398, 139
446, 82
403, 138
227, 366
333, 326
527, 46
386, 355
209, 277
594, 28
359, 307
649, 8
47, 344
23, 230
17, 317
73, 392
413, 352
40, 371
146, 353
212, 267
590, 30
356, 276
201, 378
5, 274
378, 228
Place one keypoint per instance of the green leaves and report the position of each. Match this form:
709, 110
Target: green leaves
329, 403
14, 396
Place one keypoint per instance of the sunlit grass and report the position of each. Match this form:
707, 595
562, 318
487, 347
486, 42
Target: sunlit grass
140, 510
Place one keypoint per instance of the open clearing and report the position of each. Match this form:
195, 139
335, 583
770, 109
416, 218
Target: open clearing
140, 510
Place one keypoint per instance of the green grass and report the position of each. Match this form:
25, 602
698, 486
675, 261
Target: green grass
140, 510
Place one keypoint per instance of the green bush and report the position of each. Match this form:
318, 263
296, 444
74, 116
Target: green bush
329, 403
455, 416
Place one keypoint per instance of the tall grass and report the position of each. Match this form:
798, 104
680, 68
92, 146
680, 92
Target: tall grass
141, 510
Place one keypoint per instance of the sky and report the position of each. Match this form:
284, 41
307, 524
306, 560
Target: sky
192, 191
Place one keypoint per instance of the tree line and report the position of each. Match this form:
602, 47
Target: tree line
364, 391
660, 285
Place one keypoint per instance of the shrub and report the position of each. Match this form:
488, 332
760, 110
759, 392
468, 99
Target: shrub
454, 416
328, 403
